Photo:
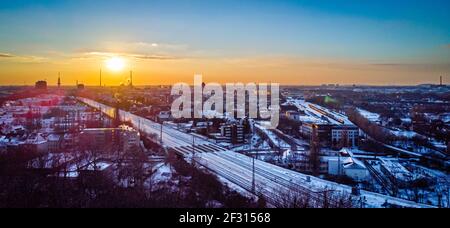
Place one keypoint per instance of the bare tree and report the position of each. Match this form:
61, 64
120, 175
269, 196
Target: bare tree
326, 198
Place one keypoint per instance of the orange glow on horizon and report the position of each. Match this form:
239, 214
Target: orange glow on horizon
289, 71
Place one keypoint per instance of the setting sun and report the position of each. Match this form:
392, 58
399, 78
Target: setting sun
115, 64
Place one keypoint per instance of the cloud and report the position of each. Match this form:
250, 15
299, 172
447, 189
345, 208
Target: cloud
393, 64
409, 64
22, 58
155, 57
140, 50
103, 54
6, 55
147, 46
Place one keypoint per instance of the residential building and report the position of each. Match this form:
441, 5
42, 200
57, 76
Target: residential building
234, 133
123, 138
40, 85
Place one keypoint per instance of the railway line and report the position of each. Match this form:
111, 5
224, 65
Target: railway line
270, 181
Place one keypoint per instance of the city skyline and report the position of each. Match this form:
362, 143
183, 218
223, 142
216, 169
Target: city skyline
225, 105
165, 42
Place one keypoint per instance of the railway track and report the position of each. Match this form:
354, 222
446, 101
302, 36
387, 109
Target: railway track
270, 180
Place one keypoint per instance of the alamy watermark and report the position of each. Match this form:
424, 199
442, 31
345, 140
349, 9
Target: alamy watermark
186, 106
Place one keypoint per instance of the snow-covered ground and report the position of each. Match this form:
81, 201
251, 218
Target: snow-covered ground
163, 173
317, 113
237, 168
372, 117
273, 137
404, 134
162, 177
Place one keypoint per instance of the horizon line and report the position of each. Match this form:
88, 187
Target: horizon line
284, 85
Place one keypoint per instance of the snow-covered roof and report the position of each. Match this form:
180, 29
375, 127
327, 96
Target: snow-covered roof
51, 160
318, 114
346, 151
402, 133
36, 139
99, 166
396, 169
53, 137
353, 163
272, 136
373, 117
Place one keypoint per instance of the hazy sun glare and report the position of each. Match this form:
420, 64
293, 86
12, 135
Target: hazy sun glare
115, 64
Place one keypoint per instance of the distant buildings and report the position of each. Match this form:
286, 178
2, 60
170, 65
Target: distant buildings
342, 164
164, 116
323, 131
337, 136
41, 85
344, 136
333, 129
347, 165
293, 115
234, 133
54, 142
129, 137
300, 162
44, 124
396, 172
35, 144
122, 138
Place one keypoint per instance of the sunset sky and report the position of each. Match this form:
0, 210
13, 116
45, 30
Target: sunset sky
163, 42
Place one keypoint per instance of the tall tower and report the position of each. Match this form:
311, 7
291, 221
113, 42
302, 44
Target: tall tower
131, 78
440, 81
100, 77
59, 80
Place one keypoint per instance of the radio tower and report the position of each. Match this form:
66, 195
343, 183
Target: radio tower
131, 78
59, 80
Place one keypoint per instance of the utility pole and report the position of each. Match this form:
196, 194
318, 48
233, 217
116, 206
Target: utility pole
314, 156
59, 80
362, 201
139, 124
279, 145
77, 121
339, 164
161, 133
193, 150
131, 78
253, 167
117, 120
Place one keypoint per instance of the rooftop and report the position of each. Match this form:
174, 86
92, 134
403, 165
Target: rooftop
318, 114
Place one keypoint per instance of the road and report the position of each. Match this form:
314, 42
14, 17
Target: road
271, 181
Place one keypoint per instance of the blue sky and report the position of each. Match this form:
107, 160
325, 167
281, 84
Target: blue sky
379, 32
